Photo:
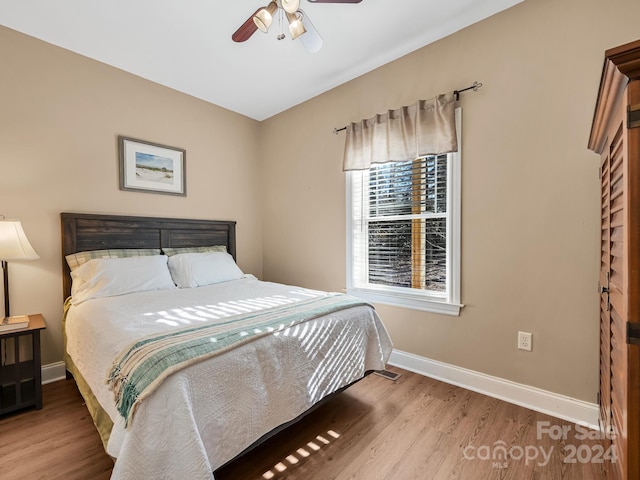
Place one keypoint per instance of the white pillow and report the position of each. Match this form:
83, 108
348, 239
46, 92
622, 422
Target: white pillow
198, 269
107, 277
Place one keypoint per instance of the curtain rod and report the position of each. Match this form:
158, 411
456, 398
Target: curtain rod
456, 93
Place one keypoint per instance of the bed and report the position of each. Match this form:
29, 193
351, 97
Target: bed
266, 353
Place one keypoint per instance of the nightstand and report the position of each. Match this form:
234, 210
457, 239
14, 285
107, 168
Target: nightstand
21, 376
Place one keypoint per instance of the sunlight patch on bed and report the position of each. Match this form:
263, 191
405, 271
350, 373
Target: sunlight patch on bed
190, 315
308, 293
324, 380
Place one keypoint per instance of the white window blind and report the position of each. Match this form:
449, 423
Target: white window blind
404, 233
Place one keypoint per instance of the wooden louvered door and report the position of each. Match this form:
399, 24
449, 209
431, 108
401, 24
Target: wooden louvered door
613, 298
604, 286
615, 135
632, 438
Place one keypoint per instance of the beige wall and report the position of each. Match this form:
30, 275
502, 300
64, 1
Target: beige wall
530, 188
60, 114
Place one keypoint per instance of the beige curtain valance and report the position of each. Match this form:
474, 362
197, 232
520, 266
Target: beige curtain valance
427, 127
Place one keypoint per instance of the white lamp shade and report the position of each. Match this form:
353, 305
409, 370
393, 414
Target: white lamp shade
295, 25
264, 17
290, 6
14, 244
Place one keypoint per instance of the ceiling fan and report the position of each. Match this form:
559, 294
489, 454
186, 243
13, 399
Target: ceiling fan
300, 27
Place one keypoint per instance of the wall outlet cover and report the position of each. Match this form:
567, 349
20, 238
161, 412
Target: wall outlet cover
525, 340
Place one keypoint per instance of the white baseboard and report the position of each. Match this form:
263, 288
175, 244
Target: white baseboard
53, 372
556, 405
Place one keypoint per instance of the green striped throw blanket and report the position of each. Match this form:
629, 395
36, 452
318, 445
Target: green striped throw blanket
142, 367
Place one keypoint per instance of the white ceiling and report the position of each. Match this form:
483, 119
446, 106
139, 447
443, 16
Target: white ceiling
186, 44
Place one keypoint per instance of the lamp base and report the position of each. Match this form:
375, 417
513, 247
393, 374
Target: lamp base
5, 273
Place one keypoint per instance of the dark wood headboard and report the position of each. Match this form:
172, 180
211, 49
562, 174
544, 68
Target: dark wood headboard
82, 232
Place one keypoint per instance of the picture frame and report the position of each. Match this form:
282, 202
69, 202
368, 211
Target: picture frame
151, 167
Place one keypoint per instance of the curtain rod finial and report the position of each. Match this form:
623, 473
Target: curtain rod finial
474, 87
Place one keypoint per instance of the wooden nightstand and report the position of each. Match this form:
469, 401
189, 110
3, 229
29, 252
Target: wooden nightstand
20, 377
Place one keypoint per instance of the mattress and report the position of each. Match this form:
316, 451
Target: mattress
204, 415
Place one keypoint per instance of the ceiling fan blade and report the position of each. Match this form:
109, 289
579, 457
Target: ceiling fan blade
335, 1
311, 39
247, 29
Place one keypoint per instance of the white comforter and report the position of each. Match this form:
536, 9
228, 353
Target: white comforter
203, 416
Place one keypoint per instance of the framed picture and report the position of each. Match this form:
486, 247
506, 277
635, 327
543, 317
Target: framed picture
152, 168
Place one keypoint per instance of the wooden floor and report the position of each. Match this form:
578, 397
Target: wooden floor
413, 428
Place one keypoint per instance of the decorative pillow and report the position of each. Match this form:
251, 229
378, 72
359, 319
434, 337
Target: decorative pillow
74, 260
169, 251
198, 269
107, 277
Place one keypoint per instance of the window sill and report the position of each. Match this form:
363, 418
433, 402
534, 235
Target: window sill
407, 301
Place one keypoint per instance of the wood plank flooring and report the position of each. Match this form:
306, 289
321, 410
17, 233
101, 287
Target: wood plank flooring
413, 428
57, 442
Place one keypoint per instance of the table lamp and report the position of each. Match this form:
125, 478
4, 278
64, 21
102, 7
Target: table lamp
14, 245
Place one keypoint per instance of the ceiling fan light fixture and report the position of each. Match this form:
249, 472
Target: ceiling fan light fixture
264, 17
290, 6
295, 25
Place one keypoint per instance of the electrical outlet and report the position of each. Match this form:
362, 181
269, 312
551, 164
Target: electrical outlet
525, 340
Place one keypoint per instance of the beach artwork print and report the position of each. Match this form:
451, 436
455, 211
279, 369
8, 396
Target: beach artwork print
151, 167
154, 168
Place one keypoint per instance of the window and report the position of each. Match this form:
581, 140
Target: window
404, 232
